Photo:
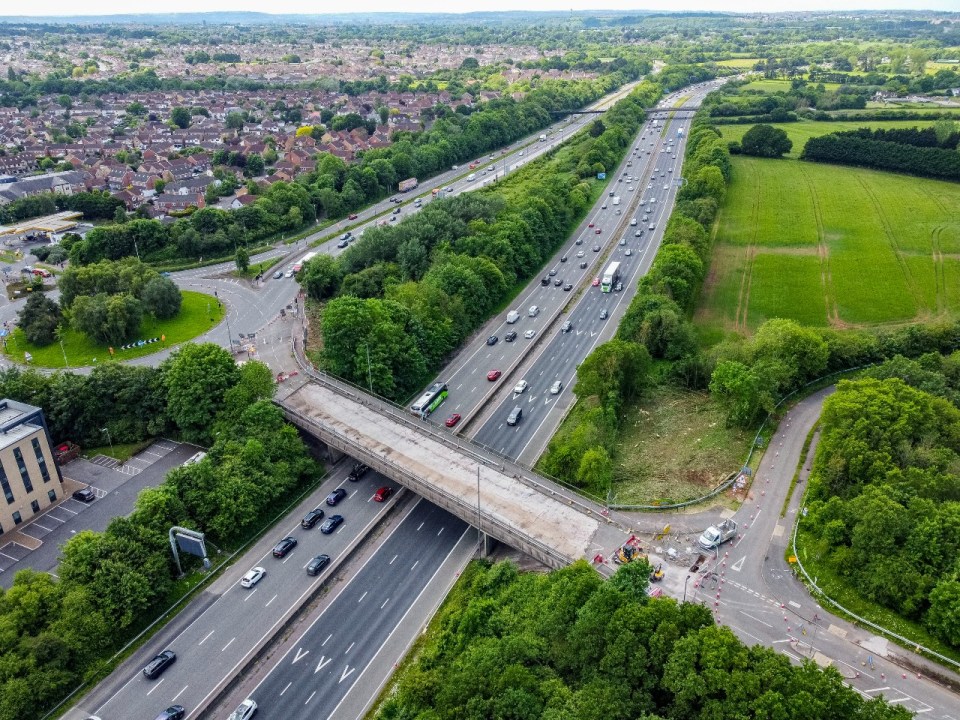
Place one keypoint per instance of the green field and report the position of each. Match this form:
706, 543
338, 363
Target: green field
800, 132
831, 246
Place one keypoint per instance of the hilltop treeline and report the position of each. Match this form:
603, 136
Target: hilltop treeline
907, 150
570, 646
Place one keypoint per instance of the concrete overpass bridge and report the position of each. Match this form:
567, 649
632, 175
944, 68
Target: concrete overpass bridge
505, 500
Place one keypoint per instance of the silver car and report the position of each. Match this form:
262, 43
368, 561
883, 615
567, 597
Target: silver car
246, 710
556, 387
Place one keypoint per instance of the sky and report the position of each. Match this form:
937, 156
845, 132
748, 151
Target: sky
108, 7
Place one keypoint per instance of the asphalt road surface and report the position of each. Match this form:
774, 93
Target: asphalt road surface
314, 676
235, 620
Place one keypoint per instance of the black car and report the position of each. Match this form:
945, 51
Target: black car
174, 712
510, 336
278, 274
284, 546
596, 248
583, 265
318, 564
336, 496
545, 281
492, 340
358, 471
160, 663
331, 524
311, 518
568, 287
396, 211
342, 244
563, 259
84, 495
558, 282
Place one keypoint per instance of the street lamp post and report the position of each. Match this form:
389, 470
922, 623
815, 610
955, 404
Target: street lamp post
479, 531
109, 439
685, 581
369, 374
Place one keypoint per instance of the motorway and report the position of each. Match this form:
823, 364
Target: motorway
321, 667
234, 621
650, 174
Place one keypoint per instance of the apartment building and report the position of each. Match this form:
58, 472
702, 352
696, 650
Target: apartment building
29, 477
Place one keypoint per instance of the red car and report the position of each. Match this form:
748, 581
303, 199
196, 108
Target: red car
452, 420
599, 231
41, 272
590, 225
383, 493
493, 375
596, 281
352, 217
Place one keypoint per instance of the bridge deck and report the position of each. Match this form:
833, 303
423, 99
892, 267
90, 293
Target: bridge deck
548, 519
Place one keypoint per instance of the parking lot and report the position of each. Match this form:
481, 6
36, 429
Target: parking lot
36, 543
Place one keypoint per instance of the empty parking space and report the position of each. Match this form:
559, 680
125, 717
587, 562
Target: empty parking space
12, 553
38, 530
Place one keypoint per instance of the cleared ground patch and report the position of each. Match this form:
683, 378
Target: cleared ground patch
674, 446
830, 245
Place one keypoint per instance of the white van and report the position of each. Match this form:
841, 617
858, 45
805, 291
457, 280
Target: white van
533, 311
513, 316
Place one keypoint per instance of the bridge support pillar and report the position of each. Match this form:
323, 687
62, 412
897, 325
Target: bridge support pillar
486, 544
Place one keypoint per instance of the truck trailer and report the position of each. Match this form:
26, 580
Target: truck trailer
407, 185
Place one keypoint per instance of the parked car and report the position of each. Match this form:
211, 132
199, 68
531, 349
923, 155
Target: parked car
84, 495
452, 420
160, 663
336, 496
331, 524
248, 708
311, 518
317, 564
283, 547
382, 494
252, 577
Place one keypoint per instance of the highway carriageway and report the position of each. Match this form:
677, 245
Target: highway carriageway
515, 507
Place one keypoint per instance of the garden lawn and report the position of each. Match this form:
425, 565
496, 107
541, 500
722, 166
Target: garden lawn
829, 245
198, 314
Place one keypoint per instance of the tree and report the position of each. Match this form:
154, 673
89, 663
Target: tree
765, 141
243, 260
161, 298
255, 165
197, 378
615, 370
108, 319
740, 391
39, 319
321, 277
180, 116
234, 121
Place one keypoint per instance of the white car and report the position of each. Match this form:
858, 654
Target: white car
556, 387
628, 253
520, 388
530, 334
246, 710
252, 577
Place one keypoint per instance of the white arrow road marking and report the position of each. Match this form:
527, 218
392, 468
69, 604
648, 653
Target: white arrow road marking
738, 565
347, 672
301, 653
324, 661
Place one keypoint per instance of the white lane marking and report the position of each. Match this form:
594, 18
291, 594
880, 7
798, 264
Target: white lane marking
362, 597
311, 697
327, 640
250, 594
394, 558
419, 526
270, 601
228, 644
286, 688
155, 686
738, 565
441, 530
301, 653
179, 693
347, 672
349, 648
415, 564
384, 603
207, 637
324, 661
755, 619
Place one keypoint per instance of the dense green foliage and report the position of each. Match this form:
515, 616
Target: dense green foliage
410, 294
95, 205
569, 646
55, 631
39, 318
872, 149
885, 490
765, 141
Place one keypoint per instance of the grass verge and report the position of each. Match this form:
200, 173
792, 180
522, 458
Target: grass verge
121, 452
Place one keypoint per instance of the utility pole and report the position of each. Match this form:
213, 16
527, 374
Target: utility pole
479, 531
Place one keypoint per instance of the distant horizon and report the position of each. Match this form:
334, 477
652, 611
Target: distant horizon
61, 9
